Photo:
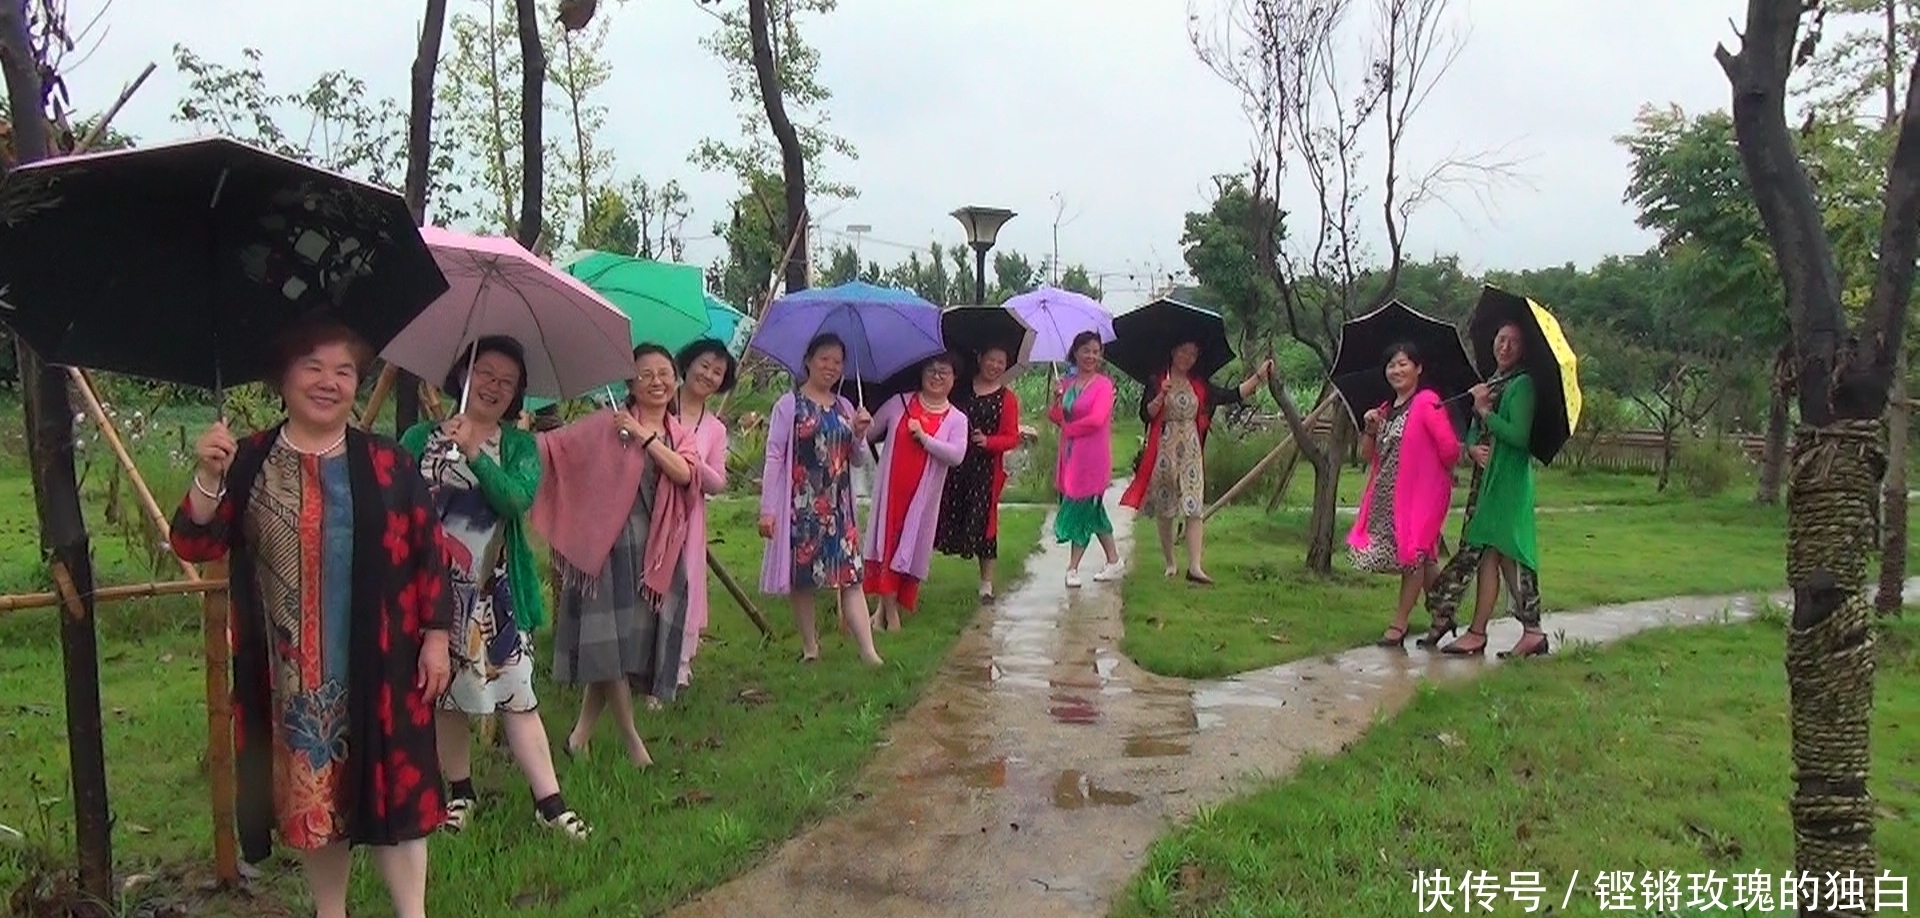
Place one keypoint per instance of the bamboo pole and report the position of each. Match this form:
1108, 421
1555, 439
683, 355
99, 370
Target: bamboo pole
215, 610
739, 595
378, 399
100, 127
98, 412
1260, 468
23, 601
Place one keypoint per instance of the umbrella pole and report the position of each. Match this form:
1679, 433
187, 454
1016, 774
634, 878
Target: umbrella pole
466, 389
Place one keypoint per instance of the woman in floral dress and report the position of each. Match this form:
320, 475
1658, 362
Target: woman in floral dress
806, 500
340, 616
482, 474
970, 507
1171, 482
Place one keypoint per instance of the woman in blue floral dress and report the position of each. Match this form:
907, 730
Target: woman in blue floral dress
806, 501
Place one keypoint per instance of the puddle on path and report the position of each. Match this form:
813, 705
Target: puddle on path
1042, 763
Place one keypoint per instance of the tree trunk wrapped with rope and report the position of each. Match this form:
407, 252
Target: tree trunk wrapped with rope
1831, 528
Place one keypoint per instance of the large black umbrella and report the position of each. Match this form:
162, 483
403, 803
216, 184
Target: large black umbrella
1360, 366
874, 393
973, 329
182, 262
1546, 354
1144, 339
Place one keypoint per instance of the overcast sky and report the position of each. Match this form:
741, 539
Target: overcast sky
1010, 102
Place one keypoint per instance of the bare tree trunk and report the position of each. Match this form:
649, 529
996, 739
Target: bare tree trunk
533, 80
1838, 460
1893, 500
1666, 454
63, 528
793, 164
1774, 456
1326, 477
426, 62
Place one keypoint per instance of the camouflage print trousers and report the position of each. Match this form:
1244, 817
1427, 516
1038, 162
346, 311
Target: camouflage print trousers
1449, 587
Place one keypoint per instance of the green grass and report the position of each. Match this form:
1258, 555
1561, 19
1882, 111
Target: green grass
1668, 752
1266, 609
758, 748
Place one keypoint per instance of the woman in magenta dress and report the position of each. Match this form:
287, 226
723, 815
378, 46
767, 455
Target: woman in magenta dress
925, 437
1083, 410
806, 500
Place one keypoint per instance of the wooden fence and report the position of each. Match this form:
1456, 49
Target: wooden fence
1617, 451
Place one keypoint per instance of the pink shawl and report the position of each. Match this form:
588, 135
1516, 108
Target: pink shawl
582, 464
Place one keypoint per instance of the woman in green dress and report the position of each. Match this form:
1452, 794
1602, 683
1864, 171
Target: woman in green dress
1498, 538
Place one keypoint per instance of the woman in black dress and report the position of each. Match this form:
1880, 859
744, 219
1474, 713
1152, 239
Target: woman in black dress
969, 524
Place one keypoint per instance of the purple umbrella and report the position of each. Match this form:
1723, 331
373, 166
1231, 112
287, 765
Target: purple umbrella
886, 330
1056, 316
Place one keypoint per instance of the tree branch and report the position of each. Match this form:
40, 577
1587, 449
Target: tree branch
533, 81
1885, 321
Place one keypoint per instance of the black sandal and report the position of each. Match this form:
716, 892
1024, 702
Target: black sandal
1396, 636
1454, 649
1441, 628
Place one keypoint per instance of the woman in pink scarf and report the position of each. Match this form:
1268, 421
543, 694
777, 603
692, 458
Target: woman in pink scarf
707, 369
614, 501
1412, 446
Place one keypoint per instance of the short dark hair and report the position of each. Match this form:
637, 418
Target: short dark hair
503, 345
703, 347
310, 335
824, 340
1408, 348
948, 359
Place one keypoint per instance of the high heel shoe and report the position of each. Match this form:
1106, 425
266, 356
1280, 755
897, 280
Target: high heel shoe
1538, 648
1440, 629
1396, 636
1454, 649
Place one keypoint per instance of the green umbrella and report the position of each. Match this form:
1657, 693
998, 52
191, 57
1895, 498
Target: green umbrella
665, 302
729, 325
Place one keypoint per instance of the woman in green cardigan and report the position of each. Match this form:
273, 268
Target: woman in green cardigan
483, 475
1498, 539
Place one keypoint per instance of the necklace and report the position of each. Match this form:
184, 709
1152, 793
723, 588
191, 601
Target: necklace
288, 441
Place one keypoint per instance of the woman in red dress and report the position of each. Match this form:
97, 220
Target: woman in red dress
970, 509
925, 437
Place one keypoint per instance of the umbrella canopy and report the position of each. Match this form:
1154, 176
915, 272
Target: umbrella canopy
1360, 367
728, 325
575, 340
874, 394
1548, 357
666, 302
1056, 316
973, 329
886, 329
182, 262
1145, 338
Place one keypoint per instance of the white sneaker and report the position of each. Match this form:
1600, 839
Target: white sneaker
1111, 572
1073, 580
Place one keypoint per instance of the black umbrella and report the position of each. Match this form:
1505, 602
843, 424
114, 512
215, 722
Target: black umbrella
1359, 368
874, 393
1144, 339
182, 262
1546, 354
973, 329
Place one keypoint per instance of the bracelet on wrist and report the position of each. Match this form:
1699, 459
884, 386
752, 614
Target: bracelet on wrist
207, 492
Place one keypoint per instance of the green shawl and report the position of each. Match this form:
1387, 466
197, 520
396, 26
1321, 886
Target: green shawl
508, 485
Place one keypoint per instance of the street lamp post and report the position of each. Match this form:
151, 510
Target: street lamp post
983, 227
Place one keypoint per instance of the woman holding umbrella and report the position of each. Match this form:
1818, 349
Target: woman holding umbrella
340, 625
482, 475
707, 369
1499, 533
1412, 449
1082, 408
806, 499
969, 524
614, 502
925, 438
1177, 406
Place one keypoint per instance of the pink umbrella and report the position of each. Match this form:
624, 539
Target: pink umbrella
576, 341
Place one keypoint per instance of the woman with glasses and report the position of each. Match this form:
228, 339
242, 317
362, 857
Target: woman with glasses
925, 437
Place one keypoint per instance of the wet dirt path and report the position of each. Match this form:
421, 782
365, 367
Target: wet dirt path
1041, 763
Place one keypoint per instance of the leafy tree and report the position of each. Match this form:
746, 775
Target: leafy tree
1076, 279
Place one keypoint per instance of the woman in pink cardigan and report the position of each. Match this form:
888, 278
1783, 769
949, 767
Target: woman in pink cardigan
707, 369
1082, 408
1412, 446
925, 437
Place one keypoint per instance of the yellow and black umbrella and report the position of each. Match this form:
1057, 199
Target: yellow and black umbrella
1548, 357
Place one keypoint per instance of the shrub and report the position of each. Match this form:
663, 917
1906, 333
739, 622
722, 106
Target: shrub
1231, 457
1706, 467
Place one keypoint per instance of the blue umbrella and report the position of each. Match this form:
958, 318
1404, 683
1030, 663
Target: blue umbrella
886, 329
728, 325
